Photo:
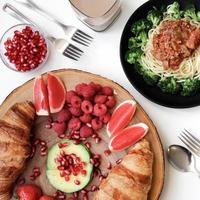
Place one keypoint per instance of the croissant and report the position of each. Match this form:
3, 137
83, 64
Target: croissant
15, 148
131, 179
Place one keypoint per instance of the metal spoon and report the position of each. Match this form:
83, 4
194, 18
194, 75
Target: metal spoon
182, 159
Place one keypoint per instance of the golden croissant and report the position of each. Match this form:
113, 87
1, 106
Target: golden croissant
131, 179
15, 148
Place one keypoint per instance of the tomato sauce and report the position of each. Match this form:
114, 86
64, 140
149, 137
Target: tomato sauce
175, 41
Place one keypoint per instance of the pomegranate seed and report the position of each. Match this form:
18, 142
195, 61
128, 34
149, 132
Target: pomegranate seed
36, 169
109, 166
67, 178
85, 197
43, 153
75, 194
63, 162
88, 145
76, 136
94, 136
84, 164
61, 168
119, 161
67, 172
62, 174
101, 177
107, 152
78, 159
61, 136
84, 191
83, 139
96, 164
43, 149
76, 142
36, 142
43, 143
77, 182
36, 174
83, 172
97, 140
62, 196
93, 188
92, 161
66, 144
60, 145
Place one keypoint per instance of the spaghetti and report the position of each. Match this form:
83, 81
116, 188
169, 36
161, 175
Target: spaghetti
189, 67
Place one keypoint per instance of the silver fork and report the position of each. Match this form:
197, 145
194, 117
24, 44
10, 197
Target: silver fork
70, 31
192, 142
62, 45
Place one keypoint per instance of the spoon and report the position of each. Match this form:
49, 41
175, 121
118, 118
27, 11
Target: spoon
182, 159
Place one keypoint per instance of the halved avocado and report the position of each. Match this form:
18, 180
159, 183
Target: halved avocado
79, 150
53, 174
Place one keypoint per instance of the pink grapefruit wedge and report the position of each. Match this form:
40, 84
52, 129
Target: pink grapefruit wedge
121, 116
128, 137
56, 92
40, 95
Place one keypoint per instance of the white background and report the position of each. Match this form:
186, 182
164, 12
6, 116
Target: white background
102, 57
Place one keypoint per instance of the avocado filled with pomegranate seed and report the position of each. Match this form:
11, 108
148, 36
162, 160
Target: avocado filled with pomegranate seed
68, 166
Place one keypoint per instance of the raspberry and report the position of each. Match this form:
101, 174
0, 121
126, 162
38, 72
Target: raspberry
105, 118
80, 87
100, 109
96, 124
87, 107
86, 118
59, 128
64, 115
77, 112
97, 87
69, 95
107, 91
100, 98
74, 124
76, 101
88, 91
111, 102
86, 131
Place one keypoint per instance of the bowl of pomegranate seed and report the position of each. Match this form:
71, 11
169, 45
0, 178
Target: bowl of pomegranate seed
23, 48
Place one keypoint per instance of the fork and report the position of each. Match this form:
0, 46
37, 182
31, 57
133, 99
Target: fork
70, 31
62, 45
192, 142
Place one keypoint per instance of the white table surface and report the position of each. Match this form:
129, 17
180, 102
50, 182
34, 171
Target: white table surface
102, 57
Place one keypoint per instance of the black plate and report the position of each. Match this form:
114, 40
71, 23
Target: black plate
153, 93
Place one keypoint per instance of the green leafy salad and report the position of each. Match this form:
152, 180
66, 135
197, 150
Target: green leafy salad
187, 86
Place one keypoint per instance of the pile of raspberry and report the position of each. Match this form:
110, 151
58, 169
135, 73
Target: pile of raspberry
86, 111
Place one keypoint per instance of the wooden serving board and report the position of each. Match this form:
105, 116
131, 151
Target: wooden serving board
72, 77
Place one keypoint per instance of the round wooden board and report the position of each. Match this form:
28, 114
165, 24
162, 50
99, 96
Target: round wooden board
72, 77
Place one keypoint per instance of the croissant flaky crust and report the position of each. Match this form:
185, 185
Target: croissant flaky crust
131, 179
15, 148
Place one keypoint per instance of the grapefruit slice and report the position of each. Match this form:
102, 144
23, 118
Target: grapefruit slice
121, 116
56, 93
40, 95
128, 137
